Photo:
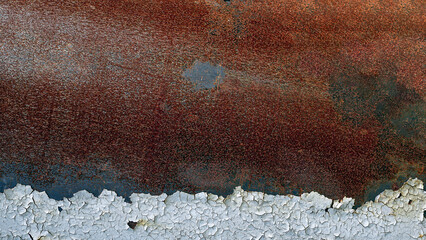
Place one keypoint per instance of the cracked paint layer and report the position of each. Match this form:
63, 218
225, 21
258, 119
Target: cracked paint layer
29, 214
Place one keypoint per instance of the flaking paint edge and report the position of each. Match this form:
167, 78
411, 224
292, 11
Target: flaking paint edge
29, 214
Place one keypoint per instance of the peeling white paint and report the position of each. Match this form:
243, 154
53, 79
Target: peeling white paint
27, 214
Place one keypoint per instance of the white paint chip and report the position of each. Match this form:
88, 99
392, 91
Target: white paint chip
242, 215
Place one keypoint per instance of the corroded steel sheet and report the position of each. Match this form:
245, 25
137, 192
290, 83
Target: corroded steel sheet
279, 96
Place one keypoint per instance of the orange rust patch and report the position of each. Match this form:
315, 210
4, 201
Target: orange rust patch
106, 78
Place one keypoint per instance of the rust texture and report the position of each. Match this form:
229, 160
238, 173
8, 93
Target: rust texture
316, 95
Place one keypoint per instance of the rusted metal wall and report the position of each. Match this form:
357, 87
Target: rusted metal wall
279, 96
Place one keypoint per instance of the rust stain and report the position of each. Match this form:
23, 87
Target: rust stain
105, 78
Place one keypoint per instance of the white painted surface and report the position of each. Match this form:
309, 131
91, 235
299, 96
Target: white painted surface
242, 215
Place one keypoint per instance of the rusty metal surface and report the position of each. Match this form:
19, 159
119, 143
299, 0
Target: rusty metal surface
278, 96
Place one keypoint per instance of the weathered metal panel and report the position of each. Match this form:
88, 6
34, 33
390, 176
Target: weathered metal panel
279, 96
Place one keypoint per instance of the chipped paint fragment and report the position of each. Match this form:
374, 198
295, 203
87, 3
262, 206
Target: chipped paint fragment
242, 215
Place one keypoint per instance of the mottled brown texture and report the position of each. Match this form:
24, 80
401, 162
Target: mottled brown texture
87, 80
